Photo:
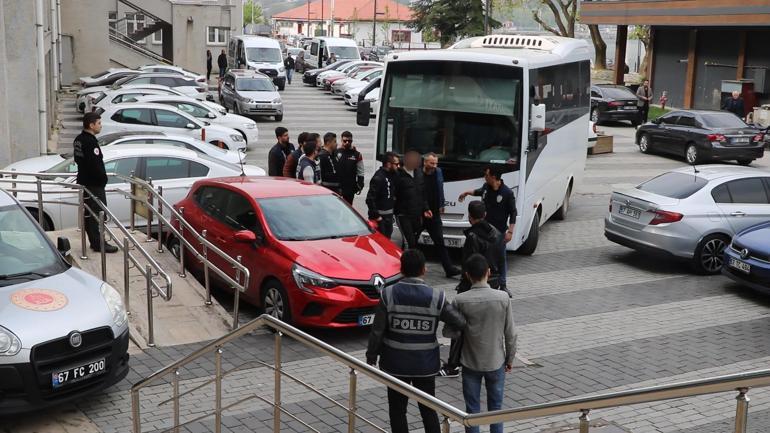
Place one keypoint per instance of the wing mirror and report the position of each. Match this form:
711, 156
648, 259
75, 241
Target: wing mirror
211, 116
362, 113
373, 225
190, 126
245, 236
656, 121
63, 246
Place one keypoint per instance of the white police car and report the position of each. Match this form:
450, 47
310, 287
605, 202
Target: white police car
63, 332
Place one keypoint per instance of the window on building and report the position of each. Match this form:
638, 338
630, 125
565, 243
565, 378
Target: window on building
401, 36
112, 19
135, 22
217, 35
157, 37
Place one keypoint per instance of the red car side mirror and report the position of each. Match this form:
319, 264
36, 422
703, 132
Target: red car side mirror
245, 236
374, 225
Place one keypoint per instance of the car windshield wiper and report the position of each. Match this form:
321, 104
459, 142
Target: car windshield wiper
24, 275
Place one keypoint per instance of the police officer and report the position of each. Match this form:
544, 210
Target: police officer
379, 199
329, 164
351, 168
276, 158
403, 337
307, 167
93, 176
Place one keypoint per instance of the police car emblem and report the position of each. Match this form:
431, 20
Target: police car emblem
378, 283
76, 339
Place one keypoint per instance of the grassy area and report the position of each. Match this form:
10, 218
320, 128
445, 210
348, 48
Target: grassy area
656, 111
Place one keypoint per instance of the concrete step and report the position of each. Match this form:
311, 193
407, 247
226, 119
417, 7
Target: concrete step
183, 319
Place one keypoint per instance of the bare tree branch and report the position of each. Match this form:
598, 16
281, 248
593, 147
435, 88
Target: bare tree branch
548, 28
551, 4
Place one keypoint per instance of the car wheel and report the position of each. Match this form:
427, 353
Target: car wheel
595, 115
745, 161
692, 154
279, 118
173, 246
561, 213
275, 302
709, 254
281, 87
530, 245
47, 225
644, 143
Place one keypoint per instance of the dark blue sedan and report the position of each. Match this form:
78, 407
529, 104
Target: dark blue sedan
747, 260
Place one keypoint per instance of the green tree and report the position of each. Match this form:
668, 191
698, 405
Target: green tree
643, 34
450, 18
251, 9
385, 24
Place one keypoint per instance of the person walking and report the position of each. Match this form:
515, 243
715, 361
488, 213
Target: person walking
488, 340
307, 167
329, 163
276, 158
222, 63
380, 198
403, 338
500, 206
290, 166
644, 95
209, 61
734, 104
410, 206
434, 195
93, 176
288, 64
351, 168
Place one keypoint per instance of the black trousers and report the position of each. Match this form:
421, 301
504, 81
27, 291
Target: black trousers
91, 222
645, 112
435, 229
397, 406
411, 227
348, 196
385, 225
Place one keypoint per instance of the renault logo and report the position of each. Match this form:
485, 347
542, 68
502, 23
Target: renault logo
76, 339
744, 253
378, 283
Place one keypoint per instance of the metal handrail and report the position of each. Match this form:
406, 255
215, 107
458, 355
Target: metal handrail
241, 271
740, 382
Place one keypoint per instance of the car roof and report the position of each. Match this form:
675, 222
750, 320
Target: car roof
611, 86
162, 75
718, 171
137, 149
260, 187
124, 105
247, 73
133, 134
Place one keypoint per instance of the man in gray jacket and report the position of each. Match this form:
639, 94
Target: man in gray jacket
489, 340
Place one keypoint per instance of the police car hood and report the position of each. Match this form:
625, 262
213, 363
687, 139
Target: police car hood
351, 258
48, 308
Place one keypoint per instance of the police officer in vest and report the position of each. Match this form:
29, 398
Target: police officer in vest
403, 336
307, 167
328, 161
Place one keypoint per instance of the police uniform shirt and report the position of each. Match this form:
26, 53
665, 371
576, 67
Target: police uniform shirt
90, 161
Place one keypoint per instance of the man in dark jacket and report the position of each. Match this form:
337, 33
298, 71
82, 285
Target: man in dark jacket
351, 168
289, 65
734, 105
380, 198
434, 195
329, 163
93, 176
290, 166
411, 206
222, 63
501, 210
276, 158
403, 337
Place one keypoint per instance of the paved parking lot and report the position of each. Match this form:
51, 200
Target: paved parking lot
592, 317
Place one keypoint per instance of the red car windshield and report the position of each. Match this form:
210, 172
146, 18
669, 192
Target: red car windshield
311, 218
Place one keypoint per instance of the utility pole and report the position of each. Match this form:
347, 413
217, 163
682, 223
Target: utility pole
486, 16
308, 19
374, 25
323, 23
331, 26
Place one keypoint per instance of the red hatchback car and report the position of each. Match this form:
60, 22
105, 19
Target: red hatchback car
313, 260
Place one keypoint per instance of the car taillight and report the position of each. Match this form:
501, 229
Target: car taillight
594, 128
201, 80
200, 89
717, 137
614, 104
663, 217
759, 137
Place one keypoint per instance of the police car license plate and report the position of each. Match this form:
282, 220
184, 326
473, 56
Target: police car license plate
365, 320
79, 373
739, 265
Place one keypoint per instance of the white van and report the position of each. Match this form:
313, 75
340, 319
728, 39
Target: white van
258, 53
321, 49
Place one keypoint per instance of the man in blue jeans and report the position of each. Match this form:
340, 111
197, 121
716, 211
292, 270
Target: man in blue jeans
489, 339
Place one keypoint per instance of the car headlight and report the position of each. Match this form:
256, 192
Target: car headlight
9, 343
250, 125
307, 280
281, 69
236, 137
277, 101
115, 304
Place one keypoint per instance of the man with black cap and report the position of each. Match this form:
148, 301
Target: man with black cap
93, 176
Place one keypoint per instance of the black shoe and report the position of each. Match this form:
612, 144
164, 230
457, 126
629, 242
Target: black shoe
453, 272
108, 248
448, 372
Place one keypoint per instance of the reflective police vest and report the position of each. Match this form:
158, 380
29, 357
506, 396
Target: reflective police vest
305, 162
410, 347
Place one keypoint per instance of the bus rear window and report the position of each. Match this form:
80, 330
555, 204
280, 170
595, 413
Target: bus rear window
674, 185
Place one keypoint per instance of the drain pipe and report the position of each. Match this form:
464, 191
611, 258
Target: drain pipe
54, 51
41, 84
59, 55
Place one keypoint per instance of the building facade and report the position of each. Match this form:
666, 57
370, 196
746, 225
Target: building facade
700, 49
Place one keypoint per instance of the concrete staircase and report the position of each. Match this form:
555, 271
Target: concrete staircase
69, 121
185, 318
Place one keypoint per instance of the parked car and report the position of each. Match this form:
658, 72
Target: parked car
251, 93
105, 78
310, 75
359, 80
322, 80
747, 260
63, 332
205, 111
129, 93
200, 79
80, 99
143, 117
377, 54
613, 102
690, 214
354, 96
173, 168
328, 274
702, 135
188, 86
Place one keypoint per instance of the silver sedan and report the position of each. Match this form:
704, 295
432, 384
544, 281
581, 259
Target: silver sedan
690, 213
